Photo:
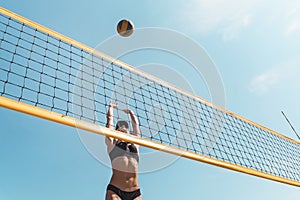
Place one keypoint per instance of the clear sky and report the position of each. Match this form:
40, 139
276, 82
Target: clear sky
255, 46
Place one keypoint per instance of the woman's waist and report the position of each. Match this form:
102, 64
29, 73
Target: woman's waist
125, 181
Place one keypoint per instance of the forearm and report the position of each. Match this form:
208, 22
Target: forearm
135, 123
110, 118
134, 119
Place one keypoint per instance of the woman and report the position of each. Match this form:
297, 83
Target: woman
124, 158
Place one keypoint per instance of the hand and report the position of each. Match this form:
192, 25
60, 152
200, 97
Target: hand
127, 111
113, 105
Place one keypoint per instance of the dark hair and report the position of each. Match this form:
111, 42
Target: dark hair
121, 123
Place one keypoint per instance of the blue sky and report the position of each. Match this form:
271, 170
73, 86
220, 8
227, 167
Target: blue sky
255, 46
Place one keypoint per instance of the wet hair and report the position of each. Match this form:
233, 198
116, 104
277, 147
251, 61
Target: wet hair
121, 123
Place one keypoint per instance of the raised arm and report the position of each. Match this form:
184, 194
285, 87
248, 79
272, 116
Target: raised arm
110, 115
110, 120
134, 122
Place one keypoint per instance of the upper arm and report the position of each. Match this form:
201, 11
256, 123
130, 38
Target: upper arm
136, 129
108, 141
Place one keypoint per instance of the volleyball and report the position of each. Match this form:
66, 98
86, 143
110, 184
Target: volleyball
125, 27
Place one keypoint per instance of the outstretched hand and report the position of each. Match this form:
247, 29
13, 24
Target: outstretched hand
127, 111
113, 105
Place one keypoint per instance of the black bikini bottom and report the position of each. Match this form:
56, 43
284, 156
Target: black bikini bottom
123, 194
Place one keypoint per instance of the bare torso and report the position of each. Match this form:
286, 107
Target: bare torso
125, 173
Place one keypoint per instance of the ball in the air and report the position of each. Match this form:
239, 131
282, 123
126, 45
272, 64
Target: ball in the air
125, 27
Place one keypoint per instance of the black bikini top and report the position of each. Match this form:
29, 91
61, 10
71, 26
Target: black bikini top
124, 149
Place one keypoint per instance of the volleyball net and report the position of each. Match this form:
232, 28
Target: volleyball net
48, 75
